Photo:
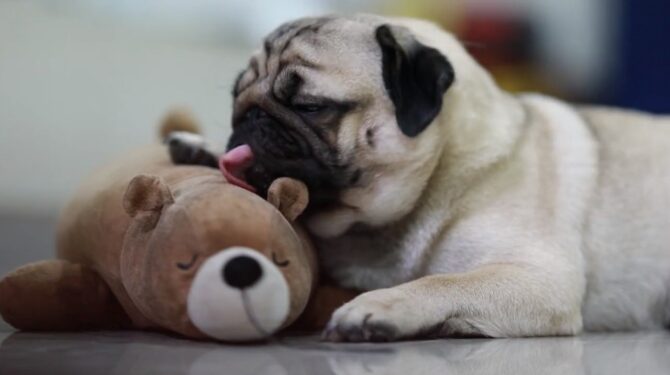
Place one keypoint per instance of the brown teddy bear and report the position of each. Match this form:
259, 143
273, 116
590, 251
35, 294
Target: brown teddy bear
151, 245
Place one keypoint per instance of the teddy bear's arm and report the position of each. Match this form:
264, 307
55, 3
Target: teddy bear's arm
57, 295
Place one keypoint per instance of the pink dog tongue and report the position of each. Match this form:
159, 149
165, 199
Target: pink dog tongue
234, 163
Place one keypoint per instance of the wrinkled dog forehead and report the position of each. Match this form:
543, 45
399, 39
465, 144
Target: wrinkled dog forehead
335, 57
333, 101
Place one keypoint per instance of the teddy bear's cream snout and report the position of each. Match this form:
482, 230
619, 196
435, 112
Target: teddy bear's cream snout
238, 294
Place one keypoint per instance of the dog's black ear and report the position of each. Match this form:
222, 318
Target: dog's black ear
416, 77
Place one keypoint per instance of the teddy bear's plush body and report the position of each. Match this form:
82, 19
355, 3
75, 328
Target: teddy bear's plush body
151, 245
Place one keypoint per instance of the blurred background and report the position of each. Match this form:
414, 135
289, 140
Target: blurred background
84, 80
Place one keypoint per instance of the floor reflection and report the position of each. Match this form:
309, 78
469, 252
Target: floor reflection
142, 353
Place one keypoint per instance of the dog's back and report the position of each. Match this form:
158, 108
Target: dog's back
627, 235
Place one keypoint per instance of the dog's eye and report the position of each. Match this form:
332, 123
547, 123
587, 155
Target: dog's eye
280, 263
185, 266
309, 108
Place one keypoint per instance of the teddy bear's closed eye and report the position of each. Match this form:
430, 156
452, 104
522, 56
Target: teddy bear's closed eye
280, 263
186, 266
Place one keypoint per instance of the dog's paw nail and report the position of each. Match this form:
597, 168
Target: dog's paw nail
379, 316
330, 334
381, 332
352, 333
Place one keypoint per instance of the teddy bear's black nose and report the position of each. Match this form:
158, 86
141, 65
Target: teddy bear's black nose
242, 272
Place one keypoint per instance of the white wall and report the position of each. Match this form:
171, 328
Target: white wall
75, 90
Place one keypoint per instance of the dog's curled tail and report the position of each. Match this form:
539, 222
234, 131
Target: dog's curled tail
178, 120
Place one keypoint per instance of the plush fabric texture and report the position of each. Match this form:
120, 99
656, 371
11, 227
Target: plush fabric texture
132, 240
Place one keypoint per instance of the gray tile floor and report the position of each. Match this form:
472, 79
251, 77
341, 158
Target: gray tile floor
146, 353
25, 239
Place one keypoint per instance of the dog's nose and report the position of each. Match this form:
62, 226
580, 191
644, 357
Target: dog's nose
242, 272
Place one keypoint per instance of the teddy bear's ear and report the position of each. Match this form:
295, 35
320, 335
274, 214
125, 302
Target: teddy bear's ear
289, 196
146, 193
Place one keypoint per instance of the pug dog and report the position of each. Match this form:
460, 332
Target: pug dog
460, 208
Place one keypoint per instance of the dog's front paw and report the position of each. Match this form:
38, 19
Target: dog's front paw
190, 149
380, 315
